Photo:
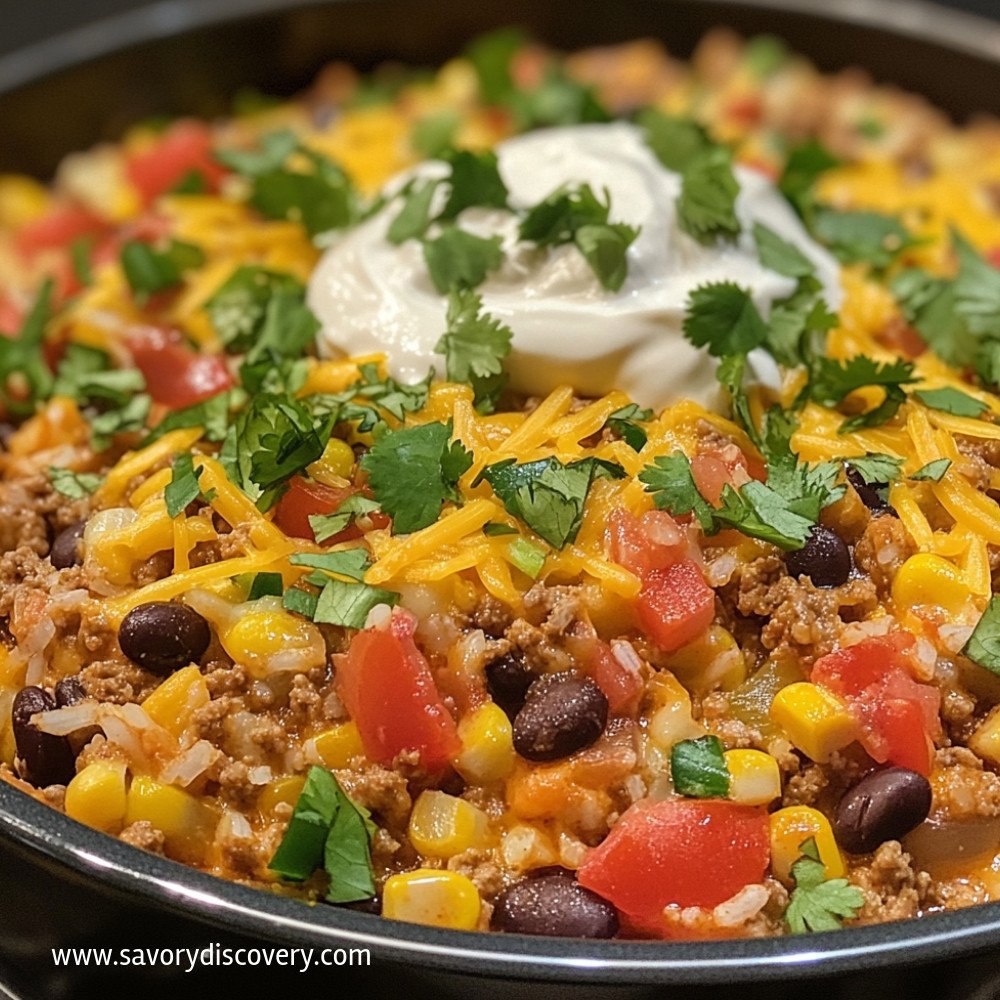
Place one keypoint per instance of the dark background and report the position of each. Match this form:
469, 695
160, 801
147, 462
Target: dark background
20, 23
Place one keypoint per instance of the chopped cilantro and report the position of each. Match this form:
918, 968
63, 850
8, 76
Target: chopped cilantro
347, 853
933, 471
983, 646
625, 423
459, 259
670, 480
25, 377
604, 248
706, 206
557, 100
432, 135
85, 374
950, 400
415, 214
183, 486
876, 469
265, 585
413, 471
527, 557
474, 345
803, 167
274, 149
818, 903
129, 417
74, 485
343, 598
491, 56
79, 252
349, 604
832, 381
212, 415
764, 55
779, 255
474, 180
674, 141
546, 495
797, 322
493, 528
977, 289
698, 768
238, 307
325, 526
722, 318
149, 271
861, 237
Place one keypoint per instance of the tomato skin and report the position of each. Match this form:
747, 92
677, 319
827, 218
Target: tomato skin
176, 375
621, 686
305, 497
11, 317
898, 716
675, 605
184, 147
58, 229
681, 852
644, 544
387, 686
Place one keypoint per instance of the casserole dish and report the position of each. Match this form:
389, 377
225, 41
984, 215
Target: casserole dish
274, 919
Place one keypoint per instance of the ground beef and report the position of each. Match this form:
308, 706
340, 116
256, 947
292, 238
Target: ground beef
556, 632
234, 783
805, 787
117, 681
882, 549
893, 890
962, 788
382, 791
492, 616
479, 865
143, 834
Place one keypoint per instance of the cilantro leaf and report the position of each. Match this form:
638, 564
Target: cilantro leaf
796, 321
474, 345
604, 248
759, 511
706, 206
929, 305
983, 647
238, 308
674, 141
670, 481
74, 485
876, 469
415, 214
527, 557
803, 168
265, 585
493, 528
475, 180
129, 417
951, 400
832, 381
977, 289
933, 471
722, 318
183, 486
459, 259
625, 423
351, 563
433, 134
86, 375
79, 252
862, 237
779, 255
274, 149
818, 903
557, 100
148, 270
300, 852
546, 495
698, 768
413, 471
348, 604
211, 414
347, 853
25, 377
491, 56
325, 526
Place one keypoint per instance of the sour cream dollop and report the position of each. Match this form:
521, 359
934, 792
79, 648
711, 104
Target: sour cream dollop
371, 295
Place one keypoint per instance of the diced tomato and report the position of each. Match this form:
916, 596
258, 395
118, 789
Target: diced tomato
678, 852
746, 110
11, 317
711, 476
183, 148
176, 375
901, 338
993, 256
675, 605
387, 686
58, 229
622, 685
304, 498
898, 716
654, 541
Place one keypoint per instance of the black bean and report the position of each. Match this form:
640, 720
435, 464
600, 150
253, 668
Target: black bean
66, 550
562, 713
556, 905
869, 494
69, 691
163, 637
825, 558
884, 805
44, 759
508, 679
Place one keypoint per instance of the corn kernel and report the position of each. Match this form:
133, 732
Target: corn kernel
790, 828
262, 639
712, 660
338, 745
186, 822
985, 741
816, 721
435, 898
335, 465
22, 200
97, 796
755, 778
281, 790
487, 753
173, 703
929, 580
442, 825
671, 720
8, 748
